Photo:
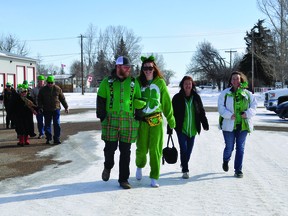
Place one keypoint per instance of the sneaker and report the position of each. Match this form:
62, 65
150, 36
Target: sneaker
139, 173
238, 174
125, 185
41, 137
106, 174
154, 183
185, 175
48, 142
225, 166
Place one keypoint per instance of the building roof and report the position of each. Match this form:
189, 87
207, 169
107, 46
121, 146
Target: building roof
6, 54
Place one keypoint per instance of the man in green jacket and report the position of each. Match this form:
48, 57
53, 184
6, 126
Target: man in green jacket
117, 99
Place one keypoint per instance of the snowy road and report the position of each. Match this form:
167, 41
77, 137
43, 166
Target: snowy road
76, 188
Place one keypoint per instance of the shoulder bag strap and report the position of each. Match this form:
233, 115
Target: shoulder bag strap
170, 138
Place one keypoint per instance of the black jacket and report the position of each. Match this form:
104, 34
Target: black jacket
23, 115
178, 103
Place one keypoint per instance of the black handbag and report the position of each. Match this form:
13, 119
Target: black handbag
170, 155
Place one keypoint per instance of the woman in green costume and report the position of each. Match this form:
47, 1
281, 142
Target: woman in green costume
150, 137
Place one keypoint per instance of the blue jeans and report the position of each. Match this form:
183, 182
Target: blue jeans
239, 137
186, 146
40, 123
55, 116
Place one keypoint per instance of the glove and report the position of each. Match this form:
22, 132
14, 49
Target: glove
138, 114
169, 130
206, 127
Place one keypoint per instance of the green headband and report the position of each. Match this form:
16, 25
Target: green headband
150, 58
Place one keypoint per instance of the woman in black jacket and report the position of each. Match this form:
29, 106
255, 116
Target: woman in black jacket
23, 108
189, 115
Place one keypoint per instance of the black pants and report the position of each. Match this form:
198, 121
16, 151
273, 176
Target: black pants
124, 162
9, 118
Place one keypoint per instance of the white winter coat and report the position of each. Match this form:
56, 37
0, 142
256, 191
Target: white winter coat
227, 111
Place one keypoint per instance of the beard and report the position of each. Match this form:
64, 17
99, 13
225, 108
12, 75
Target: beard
123, 73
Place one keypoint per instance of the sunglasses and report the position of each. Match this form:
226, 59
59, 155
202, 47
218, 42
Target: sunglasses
50, 82
24, 92
147, 68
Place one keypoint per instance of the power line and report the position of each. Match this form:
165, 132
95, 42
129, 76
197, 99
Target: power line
50, 39
159, 52
192, 35
147, 37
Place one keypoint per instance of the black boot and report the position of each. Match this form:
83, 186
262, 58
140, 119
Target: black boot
225, 166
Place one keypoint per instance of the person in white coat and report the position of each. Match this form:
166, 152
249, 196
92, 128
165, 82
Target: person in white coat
236, 106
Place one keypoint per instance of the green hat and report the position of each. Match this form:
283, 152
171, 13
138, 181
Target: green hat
19, 87
25, 86
22, 87
50, 79
8, 84
25, 82
41, 77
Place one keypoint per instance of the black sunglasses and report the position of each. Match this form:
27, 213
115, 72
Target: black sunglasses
50, 82
147, 68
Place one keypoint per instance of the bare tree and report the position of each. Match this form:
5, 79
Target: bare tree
76, 71
168, 74
102, 47
277, 11
90, 48
207, 65
11, 43
115, 34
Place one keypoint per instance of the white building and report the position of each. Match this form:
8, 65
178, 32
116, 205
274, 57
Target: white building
15, 69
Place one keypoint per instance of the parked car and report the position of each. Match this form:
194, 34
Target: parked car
271, 98
282, 110
208, 86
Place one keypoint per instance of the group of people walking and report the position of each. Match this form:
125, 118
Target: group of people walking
132, 110
42, 101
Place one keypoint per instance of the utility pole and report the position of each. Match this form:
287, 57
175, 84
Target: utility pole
82, 68
230, 52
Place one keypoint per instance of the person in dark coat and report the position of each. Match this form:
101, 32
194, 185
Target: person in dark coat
189, 114
23, 108
7, 95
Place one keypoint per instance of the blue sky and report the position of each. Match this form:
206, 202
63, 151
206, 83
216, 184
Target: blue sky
172, 28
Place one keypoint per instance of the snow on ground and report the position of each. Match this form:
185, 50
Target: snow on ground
76, 188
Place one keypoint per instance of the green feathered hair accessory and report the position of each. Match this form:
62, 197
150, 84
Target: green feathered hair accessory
145, 59
244, 85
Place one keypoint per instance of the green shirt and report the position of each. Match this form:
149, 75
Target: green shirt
189, 125
120, 95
